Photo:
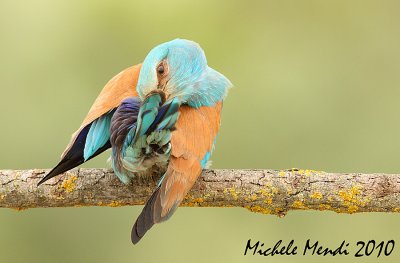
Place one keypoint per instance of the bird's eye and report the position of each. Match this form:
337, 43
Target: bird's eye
160, 69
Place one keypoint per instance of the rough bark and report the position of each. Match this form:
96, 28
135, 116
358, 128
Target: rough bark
264, 191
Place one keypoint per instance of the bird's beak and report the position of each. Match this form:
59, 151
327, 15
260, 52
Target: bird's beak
163, 86
160, 92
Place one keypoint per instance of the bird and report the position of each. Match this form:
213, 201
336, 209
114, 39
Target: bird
160, 118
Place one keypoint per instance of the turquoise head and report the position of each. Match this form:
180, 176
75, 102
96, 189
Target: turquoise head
179, 69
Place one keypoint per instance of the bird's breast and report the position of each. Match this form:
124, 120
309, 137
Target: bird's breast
148, 156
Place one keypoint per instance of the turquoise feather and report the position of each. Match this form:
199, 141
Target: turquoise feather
98, 135
212, 87
207, 156
170, 116
147, 147
147, 114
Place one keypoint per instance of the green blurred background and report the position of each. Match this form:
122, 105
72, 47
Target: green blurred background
317, 85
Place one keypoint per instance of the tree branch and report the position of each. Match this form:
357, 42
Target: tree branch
264, 191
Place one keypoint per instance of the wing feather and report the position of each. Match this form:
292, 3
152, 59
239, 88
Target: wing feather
92, 138
120, 87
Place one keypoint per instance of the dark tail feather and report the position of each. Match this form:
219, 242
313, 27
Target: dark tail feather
146, 219
74, 157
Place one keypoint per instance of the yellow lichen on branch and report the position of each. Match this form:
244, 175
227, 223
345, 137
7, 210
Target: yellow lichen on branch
69, 184
261, 191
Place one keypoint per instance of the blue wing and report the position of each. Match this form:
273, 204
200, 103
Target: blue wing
92, 140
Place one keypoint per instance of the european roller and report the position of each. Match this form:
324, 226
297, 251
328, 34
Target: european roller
160, 117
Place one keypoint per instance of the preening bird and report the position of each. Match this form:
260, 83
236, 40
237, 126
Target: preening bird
160, 117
